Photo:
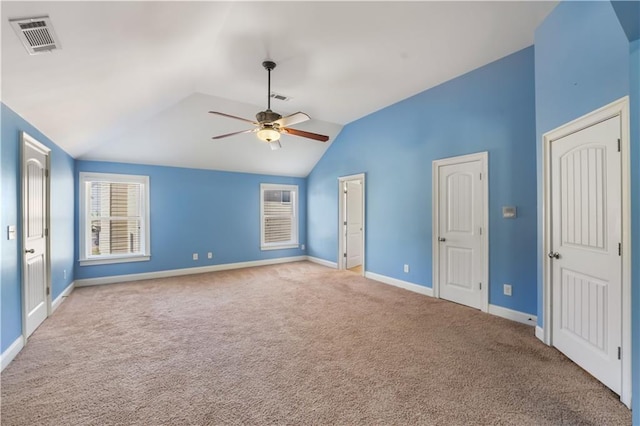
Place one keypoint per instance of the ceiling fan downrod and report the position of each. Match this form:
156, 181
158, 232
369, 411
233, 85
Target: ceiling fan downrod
269, 65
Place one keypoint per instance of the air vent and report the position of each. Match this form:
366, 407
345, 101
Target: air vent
280, 97
36, 34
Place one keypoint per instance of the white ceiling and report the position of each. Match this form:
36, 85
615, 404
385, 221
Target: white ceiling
134, 80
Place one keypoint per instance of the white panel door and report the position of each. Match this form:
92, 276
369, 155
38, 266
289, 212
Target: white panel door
586, 267
35, 271
354, 223
459, 232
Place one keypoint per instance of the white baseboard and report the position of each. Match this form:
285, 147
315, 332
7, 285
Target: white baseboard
11, 352
322, 262
15, 348
65, 293
185, 271
540, 333
399, 283
509, 314
512, 315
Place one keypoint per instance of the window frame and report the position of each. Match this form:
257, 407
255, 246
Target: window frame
84, 222
295, 241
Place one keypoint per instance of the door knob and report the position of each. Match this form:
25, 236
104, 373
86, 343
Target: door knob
553, 255
441, 239
30, 251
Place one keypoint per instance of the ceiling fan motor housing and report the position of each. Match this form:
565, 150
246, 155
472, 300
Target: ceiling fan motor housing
267, 116
269, 65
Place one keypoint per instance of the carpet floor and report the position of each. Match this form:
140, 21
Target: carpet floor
295, 343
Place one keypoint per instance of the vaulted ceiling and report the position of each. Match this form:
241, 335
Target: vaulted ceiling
134, 81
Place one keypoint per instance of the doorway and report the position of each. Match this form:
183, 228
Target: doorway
351, 222
460, 230
36, 294
586, 241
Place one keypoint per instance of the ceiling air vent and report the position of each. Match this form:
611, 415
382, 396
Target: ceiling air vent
279, 97
36, 34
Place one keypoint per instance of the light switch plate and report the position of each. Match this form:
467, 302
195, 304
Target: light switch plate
11, 232
509, 212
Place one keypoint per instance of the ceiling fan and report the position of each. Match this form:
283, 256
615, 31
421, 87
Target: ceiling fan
269, 124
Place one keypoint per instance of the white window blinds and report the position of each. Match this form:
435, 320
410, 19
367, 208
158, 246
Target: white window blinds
114, 218
278, 212
279, 216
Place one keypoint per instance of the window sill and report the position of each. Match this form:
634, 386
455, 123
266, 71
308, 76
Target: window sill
279, 247
114, 259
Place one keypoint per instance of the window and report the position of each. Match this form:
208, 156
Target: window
114, 218
279, 216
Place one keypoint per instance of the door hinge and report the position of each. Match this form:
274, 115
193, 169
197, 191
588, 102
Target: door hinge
48, 290
480, 230
619, 355
480, 176
46, 232
619, 143
46, 172
480, 286
345, 255
619, 249
344, 223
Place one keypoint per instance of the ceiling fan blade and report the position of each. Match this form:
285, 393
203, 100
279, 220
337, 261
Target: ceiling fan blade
235, 133
233, 116
296, 132
292, 119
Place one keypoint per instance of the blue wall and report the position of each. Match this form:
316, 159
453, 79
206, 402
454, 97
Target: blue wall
197, 211
634, 74
2, 227
628, 12
62, 239
489, 109
582, 64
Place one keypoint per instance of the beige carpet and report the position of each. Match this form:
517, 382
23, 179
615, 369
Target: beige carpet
289, 344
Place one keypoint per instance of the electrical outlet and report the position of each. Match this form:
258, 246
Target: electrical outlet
406, 268
195, 256
210, 255
507, 289
302, 247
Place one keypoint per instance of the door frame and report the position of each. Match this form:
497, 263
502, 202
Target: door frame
483, 157
621, 108
26, 139
341, 219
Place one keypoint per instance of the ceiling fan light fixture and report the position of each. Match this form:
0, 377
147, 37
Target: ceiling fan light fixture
268, 134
